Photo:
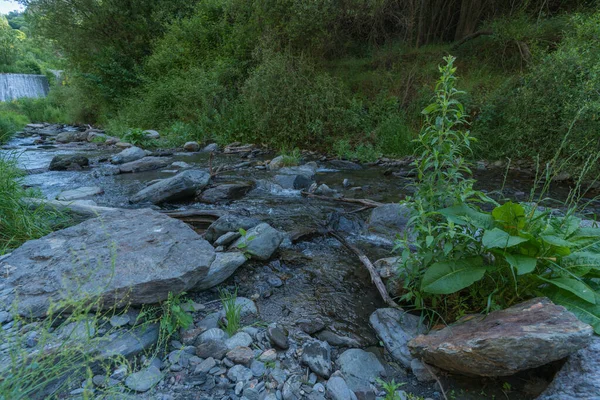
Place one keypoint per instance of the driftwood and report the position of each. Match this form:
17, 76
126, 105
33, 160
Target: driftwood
364, 202
375, 278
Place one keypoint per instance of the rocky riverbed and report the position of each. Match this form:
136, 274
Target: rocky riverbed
314, 326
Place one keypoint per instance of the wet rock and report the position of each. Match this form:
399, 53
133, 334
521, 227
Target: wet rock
106, 170
239, 373
311, 325
241, 355
345, 165
191, 146
276, 163
227, 239
224, 265
155, 255
215, 348
351, 224
229, 223
337, 389
128, 155
389, 218
324, 190
213, 147
181, 186
337, 340
528, 335
144, 164
181, 165
396, 328
143, 380
360, 369
151, 134
260, 242
317, 356
68, 137
79, 193
579, 378
278, 337
225, 193
297, 178
68, 162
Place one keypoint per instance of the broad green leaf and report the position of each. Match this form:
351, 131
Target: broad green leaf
498, 239
452, 276
511, 215
574, 286
586, 312
464, 214
582, 259
556, 241
242, 232
429, 240
523, 264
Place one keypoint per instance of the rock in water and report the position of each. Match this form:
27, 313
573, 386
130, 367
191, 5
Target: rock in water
225, 193
124, 257
260, 242
579, 378
128, 155
528, 335
144, 164
182, 185
389, 218
66, 162
396, 328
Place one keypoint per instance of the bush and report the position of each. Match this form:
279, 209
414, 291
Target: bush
10, 122
530, 116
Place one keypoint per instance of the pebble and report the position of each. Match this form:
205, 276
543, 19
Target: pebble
239, 373
143, 380
268, 356
258, 368
206, 365
240, 339
241, 355
278, 337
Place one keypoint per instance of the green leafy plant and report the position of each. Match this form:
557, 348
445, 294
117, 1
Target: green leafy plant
291, 158
391, 389
173, 316
136, 137
232, 311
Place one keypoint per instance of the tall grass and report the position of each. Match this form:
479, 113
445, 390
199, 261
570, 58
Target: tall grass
18, 221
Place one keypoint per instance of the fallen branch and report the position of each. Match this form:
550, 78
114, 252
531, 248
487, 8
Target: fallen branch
365, 202
472, 36
375, 278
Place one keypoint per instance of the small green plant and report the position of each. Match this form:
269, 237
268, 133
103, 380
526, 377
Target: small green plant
290, 159
243, 245
173, 316
136, 137
391, 389
363, 152
232, 311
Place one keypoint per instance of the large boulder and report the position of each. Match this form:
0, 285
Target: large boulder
229, 223
224, 193
579, 378
131, 257
144, 164
528, 335
180, 186
67, 162
389, 219
297, 178
260, 242
128, 155
395, 328
224, 265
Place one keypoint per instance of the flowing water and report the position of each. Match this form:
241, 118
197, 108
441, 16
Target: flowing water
17, 86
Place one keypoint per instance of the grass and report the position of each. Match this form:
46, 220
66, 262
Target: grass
232, 311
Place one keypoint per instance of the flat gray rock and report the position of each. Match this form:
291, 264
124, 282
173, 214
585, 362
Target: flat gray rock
128, 155
143, 380
144, 164
125, 257
181, 186
360, 368
260, 242
229, 223
79, 193
317, 356
224, 265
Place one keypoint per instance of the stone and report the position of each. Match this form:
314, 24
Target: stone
527, 335
181, 186
125, 257
106, 170
395, 328
241, 355
213, 147
227, 239
143, 380
229, 223
324, 190
276, 163
240, 339
360, 369
278, 337
316, 355
292, 388
128, 155
143, 165
224, 265
269, 355
579, 377
214, 348
191, 146
337, 340
68, 137
213, 334
297, 178
260, 242
337, 389
68, 162
129, 343
225, 193
387, 267
258, 368
79, 193
239, 373
246, 306
123, 145
117, 321
181, 165
311, 325
424, 373
389, 218
151, 134
206, 365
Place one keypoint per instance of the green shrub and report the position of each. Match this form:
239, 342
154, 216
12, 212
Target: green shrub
530, 116
10, 122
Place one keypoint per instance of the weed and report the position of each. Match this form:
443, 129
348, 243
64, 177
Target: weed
232, 311
290, 159
173, 316
390, 389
